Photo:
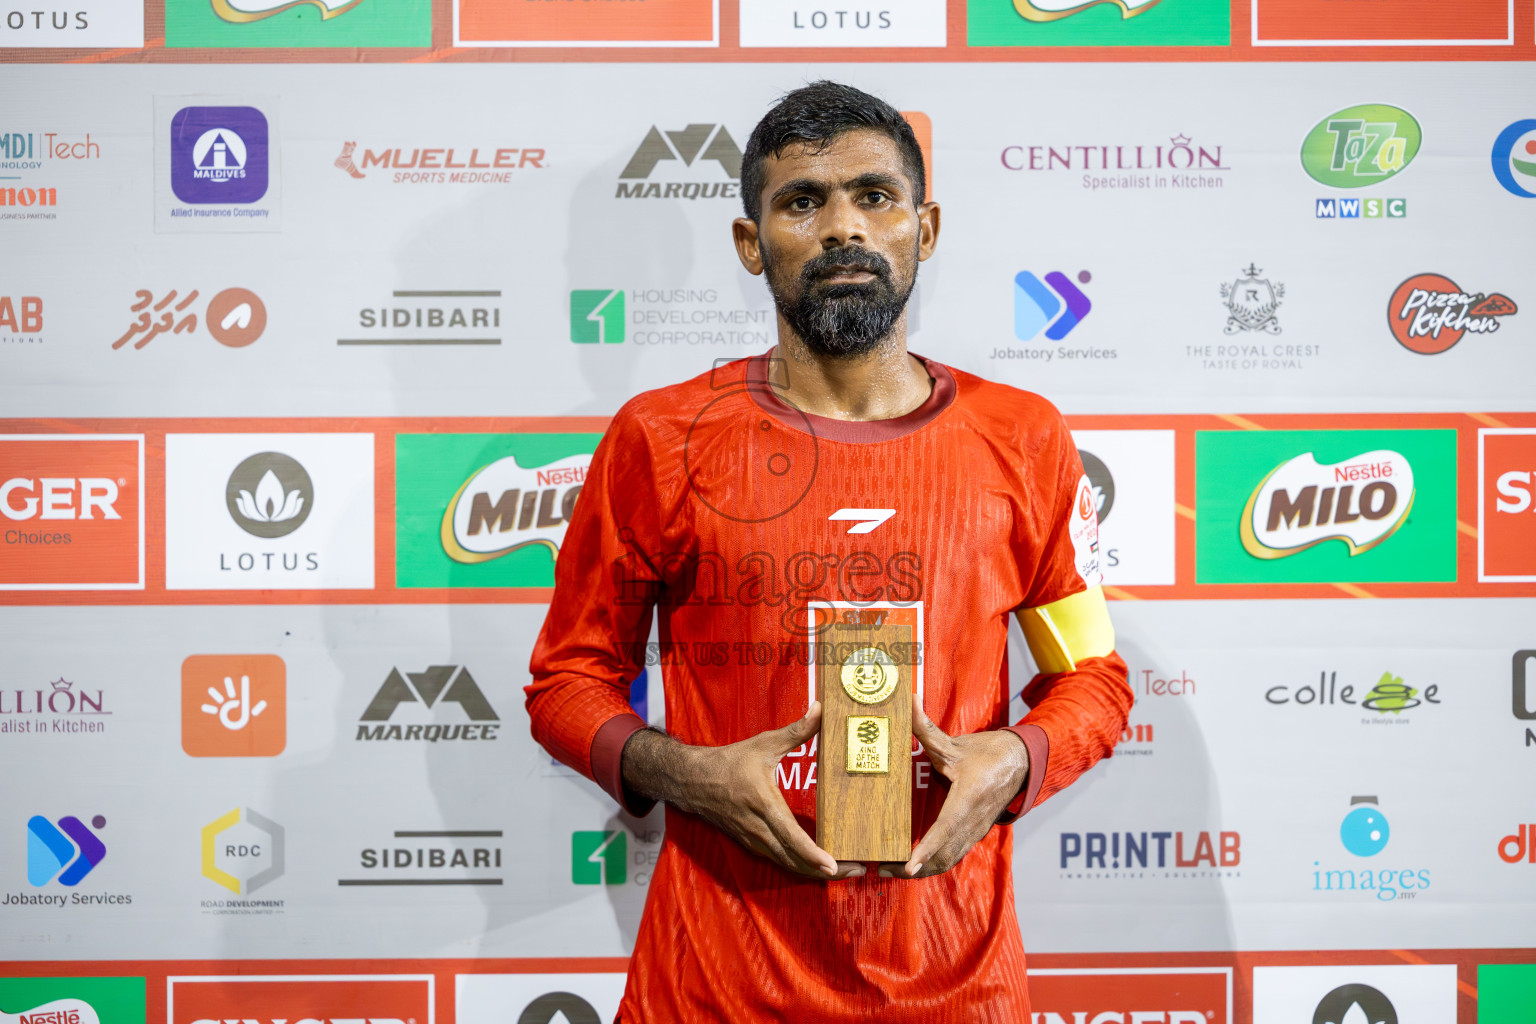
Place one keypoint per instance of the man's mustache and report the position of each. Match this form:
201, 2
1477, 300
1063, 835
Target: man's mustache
845, 260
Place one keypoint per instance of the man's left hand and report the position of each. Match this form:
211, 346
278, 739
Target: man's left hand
985, 770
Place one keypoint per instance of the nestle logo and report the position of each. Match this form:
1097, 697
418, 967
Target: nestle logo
564, 475
1362, 471
52, 1017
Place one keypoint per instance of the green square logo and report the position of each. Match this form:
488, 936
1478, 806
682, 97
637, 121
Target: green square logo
597, 316
1506, 994
298, 23
1325, 506
1098, 23
94, 1000
600, 858
485, 510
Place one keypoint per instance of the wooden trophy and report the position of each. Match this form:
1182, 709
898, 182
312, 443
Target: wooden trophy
864, 759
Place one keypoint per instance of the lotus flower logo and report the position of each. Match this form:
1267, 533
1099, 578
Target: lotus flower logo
269, 495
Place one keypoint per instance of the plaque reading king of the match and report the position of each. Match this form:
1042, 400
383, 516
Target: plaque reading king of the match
864, 663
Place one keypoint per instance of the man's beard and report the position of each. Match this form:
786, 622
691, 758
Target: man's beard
841, 320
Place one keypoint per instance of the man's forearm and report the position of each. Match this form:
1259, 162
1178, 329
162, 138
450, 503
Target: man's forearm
657, 766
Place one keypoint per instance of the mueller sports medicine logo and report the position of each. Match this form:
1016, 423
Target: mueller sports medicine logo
310, 998
1145, 995
1149, 854
1514, 159
59, 709
1428, 313
1300, 504
1361, 146
446, 165
1177, 165
504, 507
431, 690
219, 154
693, 148
243, 852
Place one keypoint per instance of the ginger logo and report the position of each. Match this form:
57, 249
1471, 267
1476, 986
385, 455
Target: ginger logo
234, 705
503, 507
1148, 995
1429, 313
313, 998
1301, 504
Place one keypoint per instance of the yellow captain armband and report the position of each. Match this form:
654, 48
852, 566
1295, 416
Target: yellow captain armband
1064, 632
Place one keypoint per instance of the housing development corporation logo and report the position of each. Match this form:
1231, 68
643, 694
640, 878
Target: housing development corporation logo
316, 998
243, 852
234, 705
1429, 313
1302, 503
597, 315
63, 852
600, 858
438, 686
219, 154
1514, 159
693, 147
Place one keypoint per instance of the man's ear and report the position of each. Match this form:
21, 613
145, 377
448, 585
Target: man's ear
748, 249
928, 229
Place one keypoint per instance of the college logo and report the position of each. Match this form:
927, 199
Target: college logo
1506, 505
1390, 695
72, 1000
438, 685
425, 318
1325, 506
1038, 305
234, 705
72, 711
71, 512
1361, 146
1514, 159
600, 858
597, 315
219, 154
433, 858
1251, 302
485, 510
64, 852
704, 143
1428, 313
235, 317
320, 998
1146, 995
1416, 994
242, 851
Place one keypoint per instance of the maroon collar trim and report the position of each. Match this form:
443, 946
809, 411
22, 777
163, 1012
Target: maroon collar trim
767, 394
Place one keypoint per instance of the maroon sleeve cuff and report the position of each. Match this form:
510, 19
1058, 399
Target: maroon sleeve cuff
1039, 746
607, 759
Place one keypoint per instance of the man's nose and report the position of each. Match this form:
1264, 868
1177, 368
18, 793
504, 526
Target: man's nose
842, 224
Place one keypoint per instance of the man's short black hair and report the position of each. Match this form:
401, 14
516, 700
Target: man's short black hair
819, 113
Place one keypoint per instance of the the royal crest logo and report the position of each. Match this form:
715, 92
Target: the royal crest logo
504, 507
1360, 146
1300, 504
1251, 302
1429, 313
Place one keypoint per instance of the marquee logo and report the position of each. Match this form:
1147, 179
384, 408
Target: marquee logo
269, 495
1428, 313
438, 685
219, 154
504, 507
65, 852
234, 705
697, 142
1514, 159
312, 998
1361, 146
242, 851
1302, 503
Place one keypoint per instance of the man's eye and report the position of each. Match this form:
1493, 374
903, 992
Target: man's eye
801, 203
877, 197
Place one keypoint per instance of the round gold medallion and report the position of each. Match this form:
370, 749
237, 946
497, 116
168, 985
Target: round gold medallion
869, 675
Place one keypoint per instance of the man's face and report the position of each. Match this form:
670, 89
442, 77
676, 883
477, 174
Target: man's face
840, 239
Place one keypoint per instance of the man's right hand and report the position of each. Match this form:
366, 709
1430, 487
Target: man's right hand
734, 789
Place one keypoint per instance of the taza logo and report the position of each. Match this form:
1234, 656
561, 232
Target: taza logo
1301, 504
1251, 302
503, 507
1514, 159
1361, 146
269, 495
1428, 313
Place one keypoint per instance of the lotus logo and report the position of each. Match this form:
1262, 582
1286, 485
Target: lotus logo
1355, 1004
269, 495
1361, 146
1301, 503
503, 507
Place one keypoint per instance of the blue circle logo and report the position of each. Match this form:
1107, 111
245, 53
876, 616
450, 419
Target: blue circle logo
1365, 831
1514, 160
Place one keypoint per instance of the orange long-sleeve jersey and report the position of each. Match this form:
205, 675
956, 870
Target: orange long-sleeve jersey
718, 506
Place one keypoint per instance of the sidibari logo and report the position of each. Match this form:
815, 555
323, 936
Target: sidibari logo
1301, 504
242, 851
65, 852
1428, 313
1514, 159
269, 495
503, 507
437, 686
701, 142
1348, 1004
1361, 146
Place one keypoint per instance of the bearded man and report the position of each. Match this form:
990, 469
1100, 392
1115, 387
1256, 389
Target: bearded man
731, 502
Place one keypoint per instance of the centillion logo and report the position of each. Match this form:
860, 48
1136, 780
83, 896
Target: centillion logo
1300, 504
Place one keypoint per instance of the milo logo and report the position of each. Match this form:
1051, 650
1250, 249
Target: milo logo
1301, 503
1361, 146
503, 507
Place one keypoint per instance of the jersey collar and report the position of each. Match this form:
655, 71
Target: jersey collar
766, 393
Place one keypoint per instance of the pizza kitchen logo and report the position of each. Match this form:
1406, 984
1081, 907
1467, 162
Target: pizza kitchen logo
1429, 313
503, 507
447, 165
1361, 502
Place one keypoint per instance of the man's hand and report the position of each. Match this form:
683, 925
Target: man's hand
734, 789
985, 770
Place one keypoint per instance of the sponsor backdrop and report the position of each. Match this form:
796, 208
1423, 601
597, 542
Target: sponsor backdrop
303, 368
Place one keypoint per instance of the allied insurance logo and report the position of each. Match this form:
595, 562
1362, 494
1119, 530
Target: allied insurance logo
219, 154
1514, 159
316, 998
71, 512
1429, 313
1318, 506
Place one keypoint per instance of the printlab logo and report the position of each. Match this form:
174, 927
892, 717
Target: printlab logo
1514, 159
243, 852
234, 705
1355, 1002
1251, 302
1036, 304
219, 155
63, 710
234, 317
597, 315
600, 858
269, 495
21, 319
1302, 503
1133, 854
701, 143
1428, 313
1364, 833
1361, 146
65, 852
439, 685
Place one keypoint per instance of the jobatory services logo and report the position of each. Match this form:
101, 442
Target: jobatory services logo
1506, 505
1144, 995
1180, 164
431, 317
1364, 833
243, 852
432, 857
1097, 23
64, 852
234, 705
538, 998
597, 316
69, 1000
72, 511
316, 998
1429, 313
1055, 305
485, 510
21, 320
429, 693
219, 154
61, 710
1146, 854
1325, 506
269, 511
441, 165
1363, 994
676, 164
1514, 159
234, 317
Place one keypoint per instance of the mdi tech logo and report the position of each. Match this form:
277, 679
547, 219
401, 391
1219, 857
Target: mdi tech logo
1325, 506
